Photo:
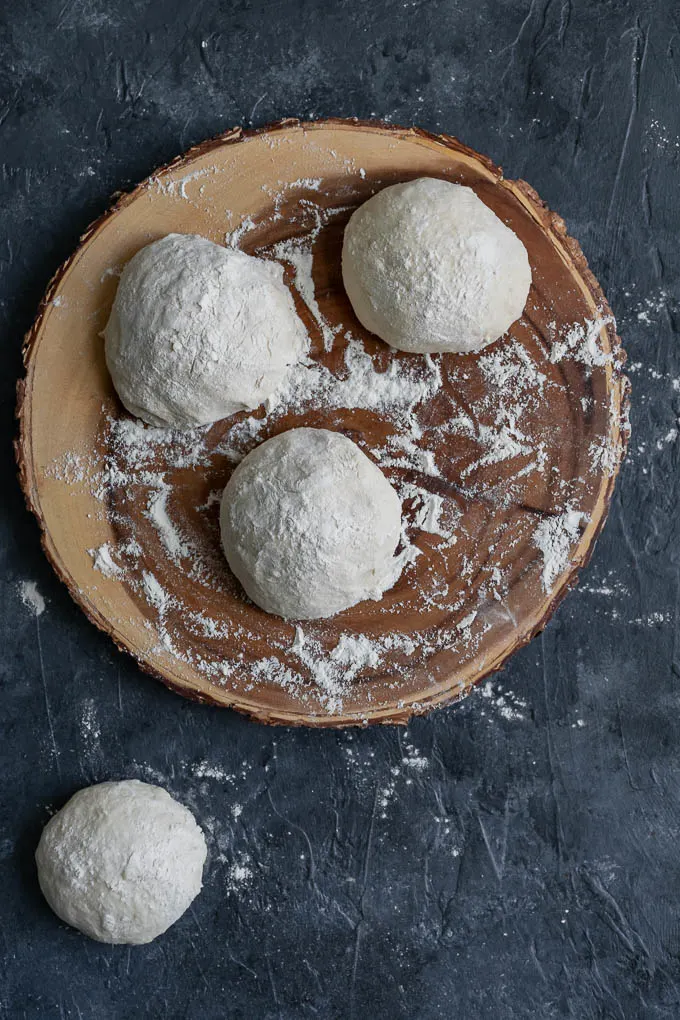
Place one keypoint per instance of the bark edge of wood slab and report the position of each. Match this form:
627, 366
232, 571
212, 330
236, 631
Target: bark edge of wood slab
60, 398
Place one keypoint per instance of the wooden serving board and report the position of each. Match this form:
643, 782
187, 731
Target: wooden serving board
522, 450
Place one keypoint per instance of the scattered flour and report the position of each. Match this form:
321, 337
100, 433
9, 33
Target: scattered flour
238, 441
402, 452
90, 729
515, 386
670, 437
239, 875
511, 368
603, 457
662, 137
204, 770
501, 444
308, 183
507, 705
651, 307
31, 597
580, 343
103, 561
412, 761
157, 512
334, 673
299, 254
177, 188
155, 593
233, 238
355, 652
467, 621
395, 392
653, 619
609, 587
140, 444
71, 468
554, 537
429, 513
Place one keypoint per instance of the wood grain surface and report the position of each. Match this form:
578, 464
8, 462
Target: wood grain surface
67, 398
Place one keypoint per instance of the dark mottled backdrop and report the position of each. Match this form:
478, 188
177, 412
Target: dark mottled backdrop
514, 856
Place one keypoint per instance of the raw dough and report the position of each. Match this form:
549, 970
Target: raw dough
310, 525
198, 332
429, 267
121, 861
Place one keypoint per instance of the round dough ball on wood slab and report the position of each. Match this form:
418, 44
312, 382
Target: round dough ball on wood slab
430, 268
198, 332
310, 525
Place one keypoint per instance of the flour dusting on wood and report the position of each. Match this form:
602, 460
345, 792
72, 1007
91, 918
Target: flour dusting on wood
499, 456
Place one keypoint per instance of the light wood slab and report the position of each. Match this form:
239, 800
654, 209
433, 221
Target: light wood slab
66, 394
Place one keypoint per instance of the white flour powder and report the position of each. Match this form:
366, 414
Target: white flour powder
581, 343
554, 537
103, 561
31, 597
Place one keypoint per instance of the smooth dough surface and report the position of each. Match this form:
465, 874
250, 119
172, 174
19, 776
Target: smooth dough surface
310, 525
198, 332
429, 268
121, 861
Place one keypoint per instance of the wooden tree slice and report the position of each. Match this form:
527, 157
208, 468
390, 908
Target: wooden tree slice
511, 454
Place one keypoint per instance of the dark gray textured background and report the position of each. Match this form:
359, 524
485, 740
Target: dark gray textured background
532, 867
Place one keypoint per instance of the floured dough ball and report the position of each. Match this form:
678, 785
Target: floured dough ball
430, 268
310, 525
121, 861
198, 332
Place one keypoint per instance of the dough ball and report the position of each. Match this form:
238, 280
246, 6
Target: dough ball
429, 268
198, 332
310, 525
121, 861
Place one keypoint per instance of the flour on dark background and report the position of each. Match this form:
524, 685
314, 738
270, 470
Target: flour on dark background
515, 855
